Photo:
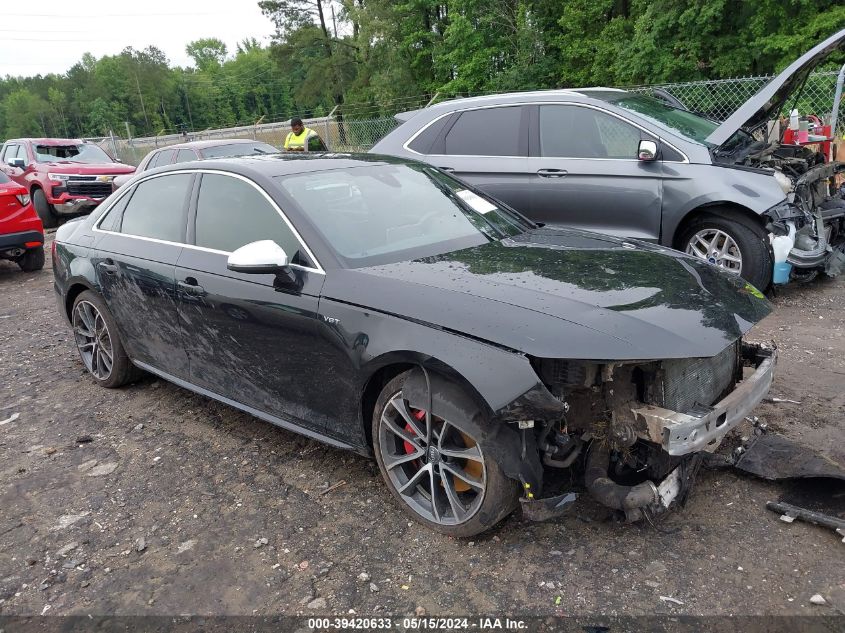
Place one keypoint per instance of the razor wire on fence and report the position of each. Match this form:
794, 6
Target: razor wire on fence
357, 127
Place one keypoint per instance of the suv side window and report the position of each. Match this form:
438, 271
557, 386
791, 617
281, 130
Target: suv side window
232, 213
157, 208
430, 140
568, 131
488, 132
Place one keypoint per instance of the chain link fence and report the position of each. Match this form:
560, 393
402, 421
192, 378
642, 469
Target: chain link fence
720, 98
356, 128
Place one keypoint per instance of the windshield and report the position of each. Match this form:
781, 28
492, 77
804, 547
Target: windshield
238, 149
681, 122
84, 153
388, 213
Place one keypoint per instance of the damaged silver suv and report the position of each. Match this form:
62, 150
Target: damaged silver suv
633, 166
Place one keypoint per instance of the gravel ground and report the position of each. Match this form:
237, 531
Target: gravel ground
153, 500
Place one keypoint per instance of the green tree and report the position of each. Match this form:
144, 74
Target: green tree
208, 52
24, 114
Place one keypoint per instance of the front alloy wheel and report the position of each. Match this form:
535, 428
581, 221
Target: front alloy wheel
93, 340
731, 241
438, 470
718, 248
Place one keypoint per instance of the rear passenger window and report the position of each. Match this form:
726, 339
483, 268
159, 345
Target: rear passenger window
157, 208
577, 132
164, 157
112, 217
184, 155
487, 132
429, 141
232, 213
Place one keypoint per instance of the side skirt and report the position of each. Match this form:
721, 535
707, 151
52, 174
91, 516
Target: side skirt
290, 426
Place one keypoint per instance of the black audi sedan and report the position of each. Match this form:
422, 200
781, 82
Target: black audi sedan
382, 306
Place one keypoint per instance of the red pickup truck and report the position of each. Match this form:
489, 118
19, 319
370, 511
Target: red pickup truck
63, 176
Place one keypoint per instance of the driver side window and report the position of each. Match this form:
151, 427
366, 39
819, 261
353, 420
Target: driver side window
232, 213
568, 131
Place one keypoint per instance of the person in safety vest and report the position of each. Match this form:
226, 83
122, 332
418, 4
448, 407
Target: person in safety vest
303, 139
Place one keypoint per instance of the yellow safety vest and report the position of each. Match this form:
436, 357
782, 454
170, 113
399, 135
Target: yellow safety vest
298, 141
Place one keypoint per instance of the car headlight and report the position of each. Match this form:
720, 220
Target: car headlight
784, 181
23, 199
59, 177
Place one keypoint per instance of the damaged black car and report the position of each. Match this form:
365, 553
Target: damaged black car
382, 306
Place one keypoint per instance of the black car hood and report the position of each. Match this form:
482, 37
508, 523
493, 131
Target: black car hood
770, 99
565, 294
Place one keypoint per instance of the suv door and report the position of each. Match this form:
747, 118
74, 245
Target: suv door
488, 147
141, 237
585, 173
250, 339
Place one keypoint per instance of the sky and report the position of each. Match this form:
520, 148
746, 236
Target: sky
50, 36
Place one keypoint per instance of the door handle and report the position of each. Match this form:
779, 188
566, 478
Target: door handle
108, 266
551, 173
191, 287
449, 169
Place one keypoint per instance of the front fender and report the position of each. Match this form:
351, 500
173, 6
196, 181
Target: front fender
370, 340
690, 187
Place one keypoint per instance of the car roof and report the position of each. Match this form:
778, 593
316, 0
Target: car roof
531, 95
51, 141
213, 143
283, 164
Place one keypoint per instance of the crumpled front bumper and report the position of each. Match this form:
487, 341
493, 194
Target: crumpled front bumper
685, 433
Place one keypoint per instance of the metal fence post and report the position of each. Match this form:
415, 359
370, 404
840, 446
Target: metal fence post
326, 126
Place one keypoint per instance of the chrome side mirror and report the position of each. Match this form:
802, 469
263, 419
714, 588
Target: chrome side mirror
18, 162
647, 150
264, 257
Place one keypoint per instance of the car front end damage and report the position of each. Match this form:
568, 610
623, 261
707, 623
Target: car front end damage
813, 215
638, 429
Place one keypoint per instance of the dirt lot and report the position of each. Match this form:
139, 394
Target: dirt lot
152, 500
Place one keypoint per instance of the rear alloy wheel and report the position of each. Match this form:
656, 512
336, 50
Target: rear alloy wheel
732, 242
44, 209
98, 342
436, 469
32, 260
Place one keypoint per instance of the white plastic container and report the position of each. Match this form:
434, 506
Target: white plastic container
781, 246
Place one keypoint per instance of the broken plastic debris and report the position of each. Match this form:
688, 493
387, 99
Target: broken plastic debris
13, 417
670, 599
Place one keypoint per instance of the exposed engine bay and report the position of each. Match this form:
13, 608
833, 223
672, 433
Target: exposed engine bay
814, 216
647, 424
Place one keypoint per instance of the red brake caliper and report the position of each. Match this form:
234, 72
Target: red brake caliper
419, 416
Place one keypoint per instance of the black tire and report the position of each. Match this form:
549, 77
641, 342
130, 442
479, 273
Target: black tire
749, 236
44, 209
32, 260
122, 370
499, 495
